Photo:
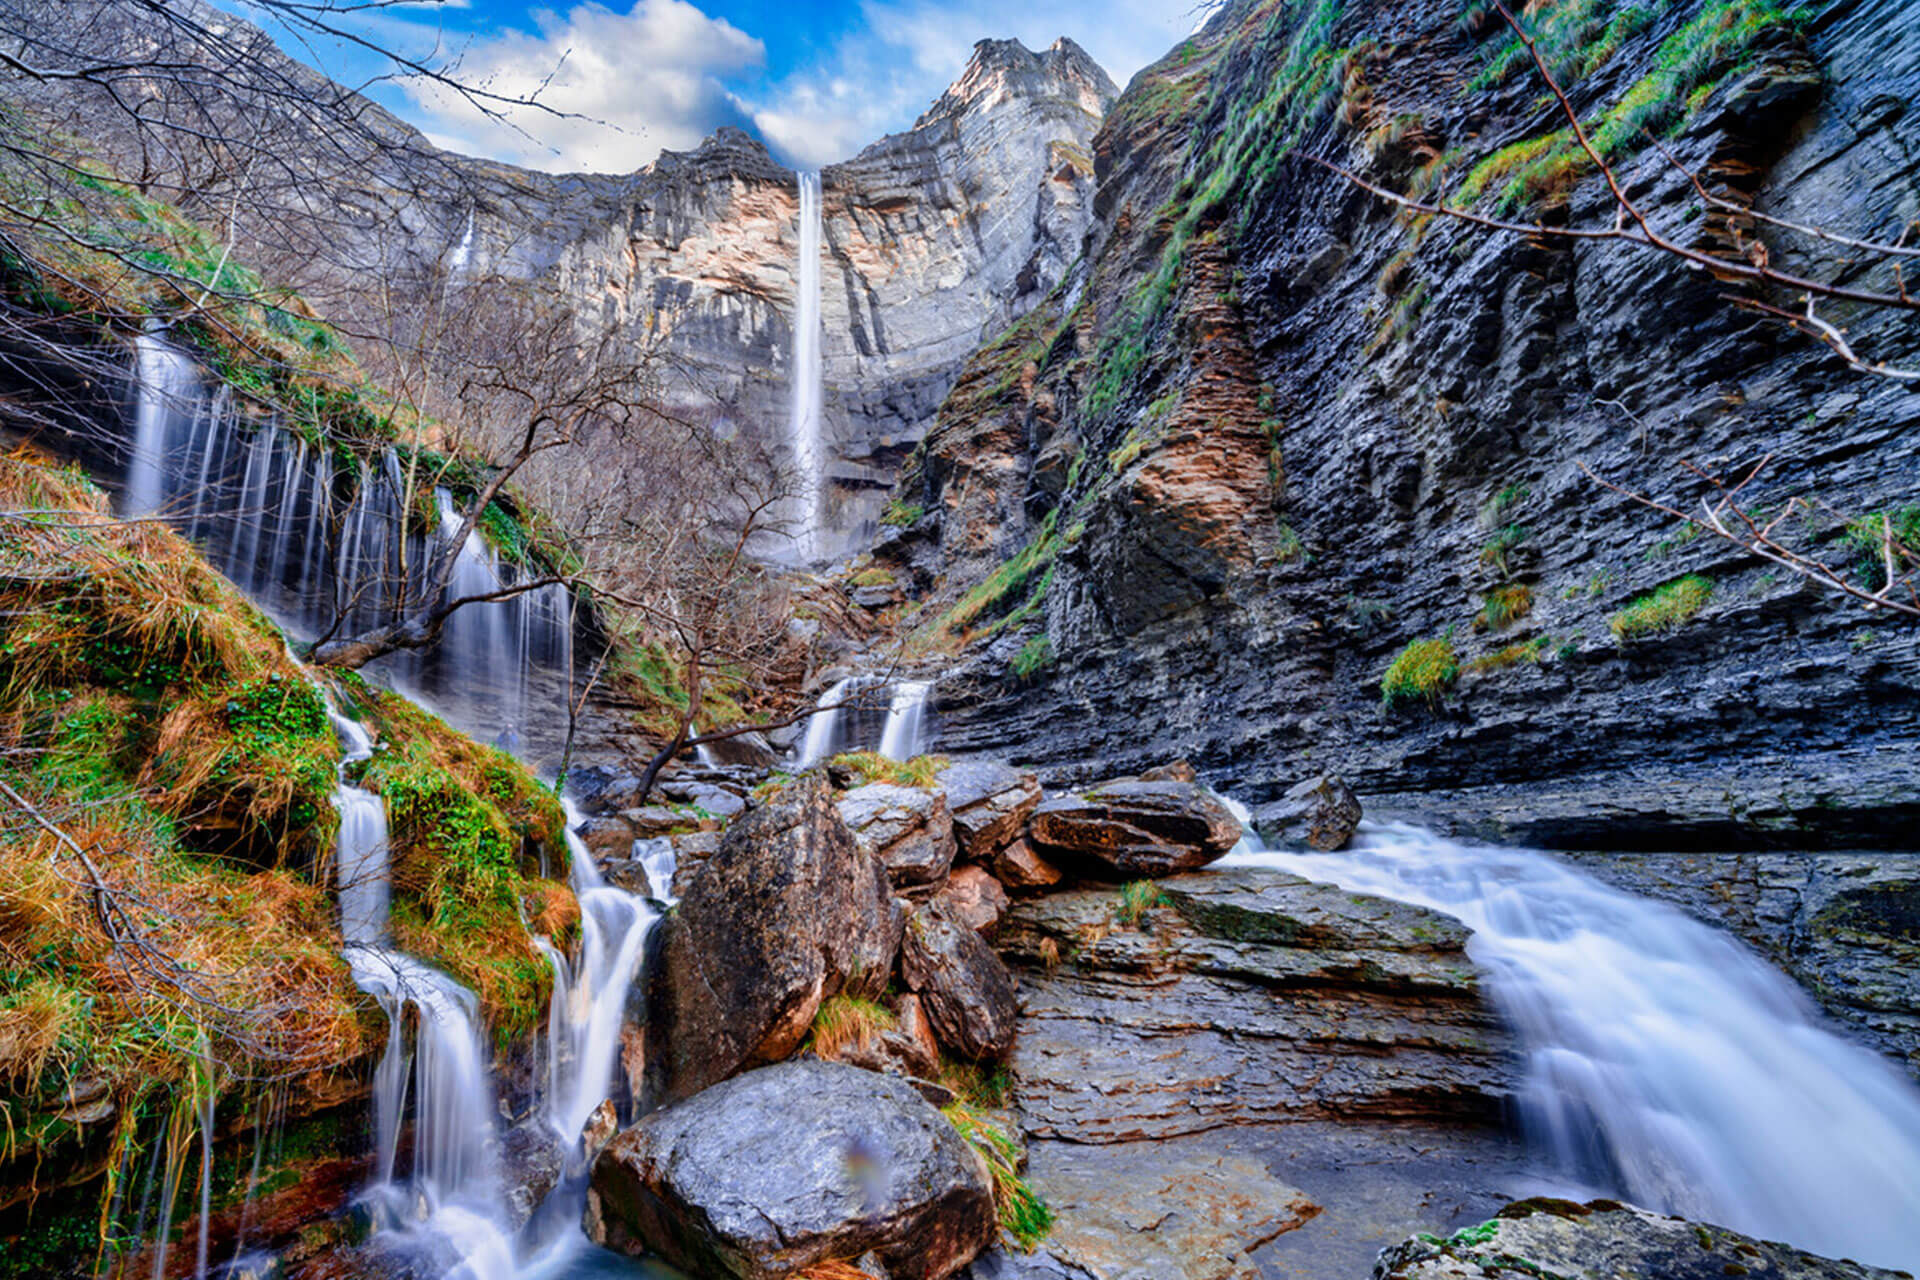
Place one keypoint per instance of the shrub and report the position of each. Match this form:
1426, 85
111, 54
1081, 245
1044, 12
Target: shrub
1664, 608
1423, 671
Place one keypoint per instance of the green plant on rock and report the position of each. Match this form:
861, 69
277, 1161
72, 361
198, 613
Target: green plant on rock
1024, 1216
1880, 538
1422, 672
1503, 607
1663, 609
1136, 899
1495, 509
902, 514
1499, 549
871, 766
1034, 655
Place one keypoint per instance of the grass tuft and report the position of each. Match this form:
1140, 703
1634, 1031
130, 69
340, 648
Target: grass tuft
1024, 1217
1422, 672
1663, 609
1136, 899
871, 766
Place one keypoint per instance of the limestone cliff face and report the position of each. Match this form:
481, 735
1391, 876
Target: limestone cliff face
934, 239
1268, 433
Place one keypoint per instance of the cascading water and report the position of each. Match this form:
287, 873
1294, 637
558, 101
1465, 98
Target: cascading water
803, 431
852, 720
321, 547
1665, 1061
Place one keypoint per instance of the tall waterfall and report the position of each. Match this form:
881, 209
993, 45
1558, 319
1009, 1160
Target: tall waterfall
852, 720
329, 545
803, 430
1665, 1061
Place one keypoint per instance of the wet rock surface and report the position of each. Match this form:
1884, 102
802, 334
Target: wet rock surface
1321, 813
1249, 996
990, 803
1603, 1239
788, 911
964, 987
790, 1165
1132, 829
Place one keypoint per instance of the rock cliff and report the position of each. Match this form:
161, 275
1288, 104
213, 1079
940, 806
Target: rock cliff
1270, 432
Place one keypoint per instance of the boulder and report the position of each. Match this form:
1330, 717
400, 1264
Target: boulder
791, 1165
1128, 830
718, 801
967, 993
786, 912
1177, 771
907, 828
606, 836
532, 1158
599, 789
749, 749
975, 898
1020, 869
656, 820
690, 849
1320, 813
990, 803
1603, 1239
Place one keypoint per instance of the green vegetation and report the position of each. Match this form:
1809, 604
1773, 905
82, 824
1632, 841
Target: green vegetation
1136, 899
1539, 649
1499, 549
845, 1022
1664, 608
1422, 672
1715, 45
1034, 655
1503, 606
874, 576
1575, 37
1496, 508
902, 514
1868, 538
1024, 1216
871, 766
1026, 577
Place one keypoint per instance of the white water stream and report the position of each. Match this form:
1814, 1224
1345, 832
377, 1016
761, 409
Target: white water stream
852, 716
1665, 1062
803, 426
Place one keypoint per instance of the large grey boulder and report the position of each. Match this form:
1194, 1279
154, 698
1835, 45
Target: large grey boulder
1321, 813
791, 1165
787, 912
906, 828
966, 991
990, 803
1132, 829
1603, 1239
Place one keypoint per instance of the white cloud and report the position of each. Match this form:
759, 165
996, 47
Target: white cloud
881, 75
658, 76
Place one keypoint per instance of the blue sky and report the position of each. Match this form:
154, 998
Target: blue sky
816, 81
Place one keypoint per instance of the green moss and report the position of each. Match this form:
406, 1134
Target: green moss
1665, 608
1422, 672
902, 514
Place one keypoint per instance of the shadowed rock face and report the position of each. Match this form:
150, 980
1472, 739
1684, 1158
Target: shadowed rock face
1250, 997
791, 1165
1605, 1239
1304, 469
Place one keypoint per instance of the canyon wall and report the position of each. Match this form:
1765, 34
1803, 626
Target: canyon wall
1272, 430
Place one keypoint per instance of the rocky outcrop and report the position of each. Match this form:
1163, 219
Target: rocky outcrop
792, 1165
1272, 433
1248, 997
787, 912
1602, 1239
966, 991
1131, 829
990, 803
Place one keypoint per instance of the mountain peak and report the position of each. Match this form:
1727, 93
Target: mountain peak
1004, 69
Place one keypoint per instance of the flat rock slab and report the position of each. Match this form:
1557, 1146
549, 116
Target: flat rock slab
1601, 1240
803, 1162
1132, 829
1248, 996
990, 803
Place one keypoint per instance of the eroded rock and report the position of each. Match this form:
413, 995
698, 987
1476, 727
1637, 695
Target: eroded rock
1128, 830
975, 898
1020, 869
990, 803
906, 828
966, 991
790, 1165
1321, 813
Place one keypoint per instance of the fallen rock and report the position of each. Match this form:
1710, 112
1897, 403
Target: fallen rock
718, 802
1020, 869
906, 828
975, 898
532, 1158
990, 803
750, 749
1250, 997
966, 991
787, 912
1176, 771
1320, 813
606, 836
1129, 830
657, 820
790, 1165
1603, 1239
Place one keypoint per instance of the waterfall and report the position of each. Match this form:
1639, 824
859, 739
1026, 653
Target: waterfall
1665, 1061
455, 1191
803, 433
852, 720
317, 545
903, 738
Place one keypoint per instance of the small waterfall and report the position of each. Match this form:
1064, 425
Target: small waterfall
803, 432
904, 736
316, 544
853, 720
453, 1190
1665, 1061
